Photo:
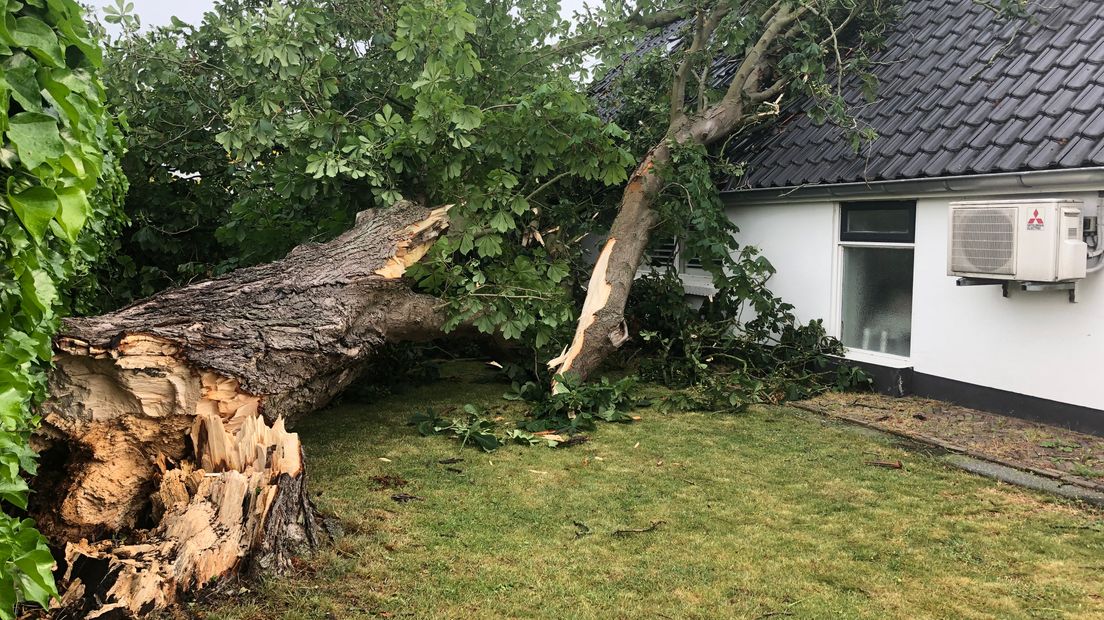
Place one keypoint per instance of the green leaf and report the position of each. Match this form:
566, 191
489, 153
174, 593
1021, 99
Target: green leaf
36, 138
557, 272
37, 36
37, 579
466, 244
75, 210
11, 407
35, 207
489, 246
19, 73
8, 596
502, 221
14, 492
39, 289
467, 118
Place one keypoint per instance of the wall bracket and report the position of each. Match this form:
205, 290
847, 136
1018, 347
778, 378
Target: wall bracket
1070, 287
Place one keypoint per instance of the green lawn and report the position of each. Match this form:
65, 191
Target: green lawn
768, 514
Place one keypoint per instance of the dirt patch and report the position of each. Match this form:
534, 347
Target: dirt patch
388, 482
1028, 445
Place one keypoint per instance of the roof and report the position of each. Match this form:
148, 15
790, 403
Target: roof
961, 92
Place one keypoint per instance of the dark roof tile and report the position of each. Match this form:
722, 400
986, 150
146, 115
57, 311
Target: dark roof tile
960, 92
1076, 152
1091, 98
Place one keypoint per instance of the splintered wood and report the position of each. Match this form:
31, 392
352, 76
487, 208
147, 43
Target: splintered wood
598, 293
166, 460
242, 499
416, 241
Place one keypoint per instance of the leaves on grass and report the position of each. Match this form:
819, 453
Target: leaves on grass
886, 464
581, 529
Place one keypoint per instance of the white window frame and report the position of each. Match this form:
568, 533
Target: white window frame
695, 280
835, 326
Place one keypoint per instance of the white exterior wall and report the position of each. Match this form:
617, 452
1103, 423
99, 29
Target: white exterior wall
800, 241
1033, 343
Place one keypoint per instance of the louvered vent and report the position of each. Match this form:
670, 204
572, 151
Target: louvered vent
663, 255
984, 241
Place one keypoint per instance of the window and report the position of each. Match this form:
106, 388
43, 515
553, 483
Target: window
664, 254
669, 253
886, 222
876, 266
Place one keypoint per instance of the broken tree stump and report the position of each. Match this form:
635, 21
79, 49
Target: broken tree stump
163, 436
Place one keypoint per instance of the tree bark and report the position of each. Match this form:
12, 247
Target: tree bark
601, 327
164, 431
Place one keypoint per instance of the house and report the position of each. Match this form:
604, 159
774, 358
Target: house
971, 109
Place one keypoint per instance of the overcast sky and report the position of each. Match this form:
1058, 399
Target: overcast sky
158, 12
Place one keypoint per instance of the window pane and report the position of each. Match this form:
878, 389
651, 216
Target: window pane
879, 221
877, 299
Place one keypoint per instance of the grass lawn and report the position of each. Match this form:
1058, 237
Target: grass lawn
772, 513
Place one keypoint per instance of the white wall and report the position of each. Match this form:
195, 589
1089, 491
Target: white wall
1033, 343
800, 241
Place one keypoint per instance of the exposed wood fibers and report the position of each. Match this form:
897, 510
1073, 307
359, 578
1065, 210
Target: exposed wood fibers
414, 246
598, 293
212, 510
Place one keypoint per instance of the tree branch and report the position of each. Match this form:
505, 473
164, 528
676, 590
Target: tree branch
770, 92
659, 19
784, 17
703, 32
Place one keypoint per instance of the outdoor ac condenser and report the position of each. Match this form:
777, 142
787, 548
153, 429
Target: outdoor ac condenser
1022, 240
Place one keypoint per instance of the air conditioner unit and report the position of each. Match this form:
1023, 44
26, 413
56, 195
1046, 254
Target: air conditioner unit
1022, 240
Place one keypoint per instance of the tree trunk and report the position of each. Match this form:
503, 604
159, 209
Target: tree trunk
601, 328
165, 422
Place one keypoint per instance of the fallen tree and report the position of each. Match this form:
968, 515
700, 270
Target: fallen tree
164, 434
762, 49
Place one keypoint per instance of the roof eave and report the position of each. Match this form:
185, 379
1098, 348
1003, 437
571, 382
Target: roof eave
1071, 178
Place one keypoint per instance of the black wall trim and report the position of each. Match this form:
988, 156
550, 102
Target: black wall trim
887, 380
905, 381
1065, 415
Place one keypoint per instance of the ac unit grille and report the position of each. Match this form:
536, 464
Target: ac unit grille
983, 241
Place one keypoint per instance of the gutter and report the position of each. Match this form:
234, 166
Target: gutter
974, 183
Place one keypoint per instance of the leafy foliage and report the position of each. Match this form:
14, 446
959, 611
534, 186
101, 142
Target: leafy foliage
273, 123
477, 429
551, 420
577, 405
724, 361
58, 141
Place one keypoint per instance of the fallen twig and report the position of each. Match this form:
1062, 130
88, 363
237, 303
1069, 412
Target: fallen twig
887, 464
574, 440
402, 498
651, 528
